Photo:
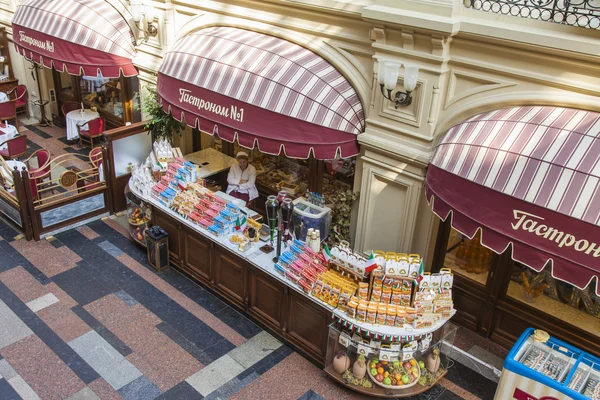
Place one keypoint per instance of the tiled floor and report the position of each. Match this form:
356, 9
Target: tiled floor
83, 317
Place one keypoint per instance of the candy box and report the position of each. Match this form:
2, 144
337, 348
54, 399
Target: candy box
292, 277
279, 268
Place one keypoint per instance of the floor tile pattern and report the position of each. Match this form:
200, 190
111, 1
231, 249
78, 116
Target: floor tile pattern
82, 316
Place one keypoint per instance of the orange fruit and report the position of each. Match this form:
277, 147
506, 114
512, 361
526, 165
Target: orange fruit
384, 362
413, 362
380, 370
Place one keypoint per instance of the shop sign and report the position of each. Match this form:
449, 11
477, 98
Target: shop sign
532, 223
521, 395
46, 45
233, 112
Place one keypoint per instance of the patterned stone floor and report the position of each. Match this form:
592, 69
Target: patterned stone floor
82, 316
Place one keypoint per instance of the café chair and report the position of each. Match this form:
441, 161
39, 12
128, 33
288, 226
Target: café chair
95, 129
15, 147
20, 99
70, 106
93, 182
8, 111
42, 171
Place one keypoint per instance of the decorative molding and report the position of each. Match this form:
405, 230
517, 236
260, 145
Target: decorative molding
377, 174
408, 39
464, 84
377, 34
437, 46
434, 109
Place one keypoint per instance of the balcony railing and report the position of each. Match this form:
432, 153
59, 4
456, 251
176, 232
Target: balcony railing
584, 13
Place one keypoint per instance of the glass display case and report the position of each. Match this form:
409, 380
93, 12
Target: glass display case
138, 217
382, 367
546, 367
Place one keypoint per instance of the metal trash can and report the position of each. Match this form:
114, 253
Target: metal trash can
157, 244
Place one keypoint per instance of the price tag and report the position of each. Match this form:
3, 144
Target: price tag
364, 349
388, 355
344, 339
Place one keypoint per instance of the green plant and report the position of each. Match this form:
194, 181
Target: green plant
340, 216
161, 125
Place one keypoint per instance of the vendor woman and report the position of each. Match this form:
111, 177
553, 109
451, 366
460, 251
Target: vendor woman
242, 178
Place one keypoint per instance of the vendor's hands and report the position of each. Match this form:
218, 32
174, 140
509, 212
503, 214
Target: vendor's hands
242, 181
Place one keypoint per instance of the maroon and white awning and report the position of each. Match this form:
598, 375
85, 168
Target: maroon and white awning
89, 35
529, 176
262, 90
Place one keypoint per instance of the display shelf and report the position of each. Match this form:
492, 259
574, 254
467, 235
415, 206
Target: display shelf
381, 392
388, 331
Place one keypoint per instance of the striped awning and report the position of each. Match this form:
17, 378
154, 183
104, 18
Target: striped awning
262, 91
92, 36
526, 176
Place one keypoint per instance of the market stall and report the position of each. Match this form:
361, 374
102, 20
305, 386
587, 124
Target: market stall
523, 243
382, 310
295, 112
90, 48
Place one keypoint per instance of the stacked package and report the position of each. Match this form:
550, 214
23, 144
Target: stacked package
334, 289
301, 265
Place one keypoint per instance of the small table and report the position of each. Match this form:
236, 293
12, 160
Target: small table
76, 117
9, 132
210, 162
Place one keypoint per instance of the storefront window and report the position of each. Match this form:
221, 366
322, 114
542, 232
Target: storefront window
468, 257
66, 86
103, 93
540, 290
338, 176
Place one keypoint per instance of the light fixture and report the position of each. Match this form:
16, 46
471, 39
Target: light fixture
387, 76
145, 13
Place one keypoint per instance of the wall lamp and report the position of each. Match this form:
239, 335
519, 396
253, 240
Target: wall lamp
387, 76
144, 12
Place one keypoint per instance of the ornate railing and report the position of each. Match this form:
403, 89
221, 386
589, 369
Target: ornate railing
583, 13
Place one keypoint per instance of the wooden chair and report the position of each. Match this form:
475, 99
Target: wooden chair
15, 147
95, 129
8, 111
20, 92
69, 106
42, 171
95, 181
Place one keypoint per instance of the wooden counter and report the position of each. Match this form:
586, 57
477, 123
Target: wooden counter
249, 283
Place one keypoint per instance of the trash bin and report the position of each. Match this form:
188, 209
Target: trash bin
157, 243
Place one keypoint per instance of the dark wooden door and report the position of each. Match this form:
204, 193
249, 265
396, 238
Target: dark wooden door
173, 228
268, 300
308, 325
230, 277
198, 256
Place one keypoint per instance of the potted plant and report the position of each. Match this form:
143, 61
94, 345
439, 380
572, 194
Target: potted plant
161, 125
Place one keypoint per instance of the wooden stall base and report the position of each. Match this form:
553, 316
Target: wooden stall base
378, 391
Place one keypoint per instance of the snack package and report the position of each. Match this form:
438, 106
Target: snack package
361, 312
351, 308
396, 297
334, 295
381, 314
391, 315
372, 314
386, 295
345, 295
376, 294
363, 290
447, 278
436, 281
403, 265
400, 317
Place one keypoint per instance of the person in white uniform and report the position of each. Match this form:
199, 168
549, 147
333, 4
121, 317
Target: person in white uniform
241, 179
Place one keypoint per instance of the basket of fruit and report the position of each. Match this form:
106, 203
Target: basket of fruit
395, 374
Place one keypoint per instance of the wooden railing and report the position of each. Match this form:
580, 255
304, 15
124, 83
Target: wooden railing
71, 188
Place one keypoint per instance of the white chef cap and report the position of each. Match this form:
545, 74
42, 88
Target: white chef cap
241, 154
